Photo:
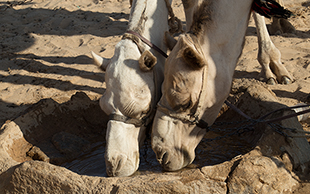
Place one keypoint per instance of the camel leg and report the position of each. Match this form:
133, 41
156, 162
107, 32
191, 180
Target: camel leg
189, 7
269, 56
275, 27
280, 25
287, 27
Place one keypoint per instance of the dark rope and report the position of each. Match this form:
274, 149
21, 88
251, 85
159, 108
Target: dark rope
248, 124
262, 119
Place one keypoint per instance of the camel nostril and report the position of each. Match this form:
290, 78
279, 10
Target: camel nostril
162, 157
158, 152
165, 158
159, 156
109, 168
121, 160
114, 165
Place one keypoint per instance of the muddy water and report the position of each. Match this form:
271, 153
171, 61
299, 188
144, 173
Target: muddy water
210, 151
72, 135
92, 162
89, 163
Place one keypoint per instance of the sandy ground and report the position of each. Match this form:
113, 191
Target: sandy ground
45, 50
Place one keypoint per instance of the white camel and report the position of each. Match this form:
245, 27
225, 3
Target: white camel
199, 73
133, 85
132, 92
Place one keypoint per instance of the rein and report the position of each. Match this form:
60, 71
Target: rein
147, 42
262, 119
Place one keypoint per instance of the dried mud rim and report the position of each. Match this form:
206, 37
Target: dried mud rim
57, 133
83, 120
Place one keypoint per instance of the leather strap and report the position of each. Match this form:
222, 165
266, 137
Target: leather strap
128, 120
153, 46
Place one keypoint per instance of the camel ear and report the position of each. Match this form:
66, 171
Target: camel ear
130, 1
147, 61
169, 41
193, 58
100, 62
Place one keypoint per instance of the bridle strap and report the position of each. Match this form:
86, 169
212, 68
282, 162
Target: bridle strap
192, 118
150, 44
184, 118
128, 120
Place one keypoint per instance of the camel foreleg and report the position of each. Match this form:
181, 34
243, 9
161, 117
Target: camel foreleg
269, 56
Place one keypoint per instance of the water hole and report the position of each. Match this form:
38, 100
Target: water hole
72, 135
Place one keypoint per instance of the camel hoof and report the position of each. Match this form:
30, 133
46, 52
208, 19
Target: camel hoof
271, 81
285, 80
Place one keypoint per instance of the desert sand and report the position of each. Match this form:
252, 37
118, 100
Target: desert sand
45, 50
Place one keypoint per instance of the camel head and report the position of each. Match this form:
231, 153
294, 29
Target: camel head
129, 100
193, 92
174, 135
